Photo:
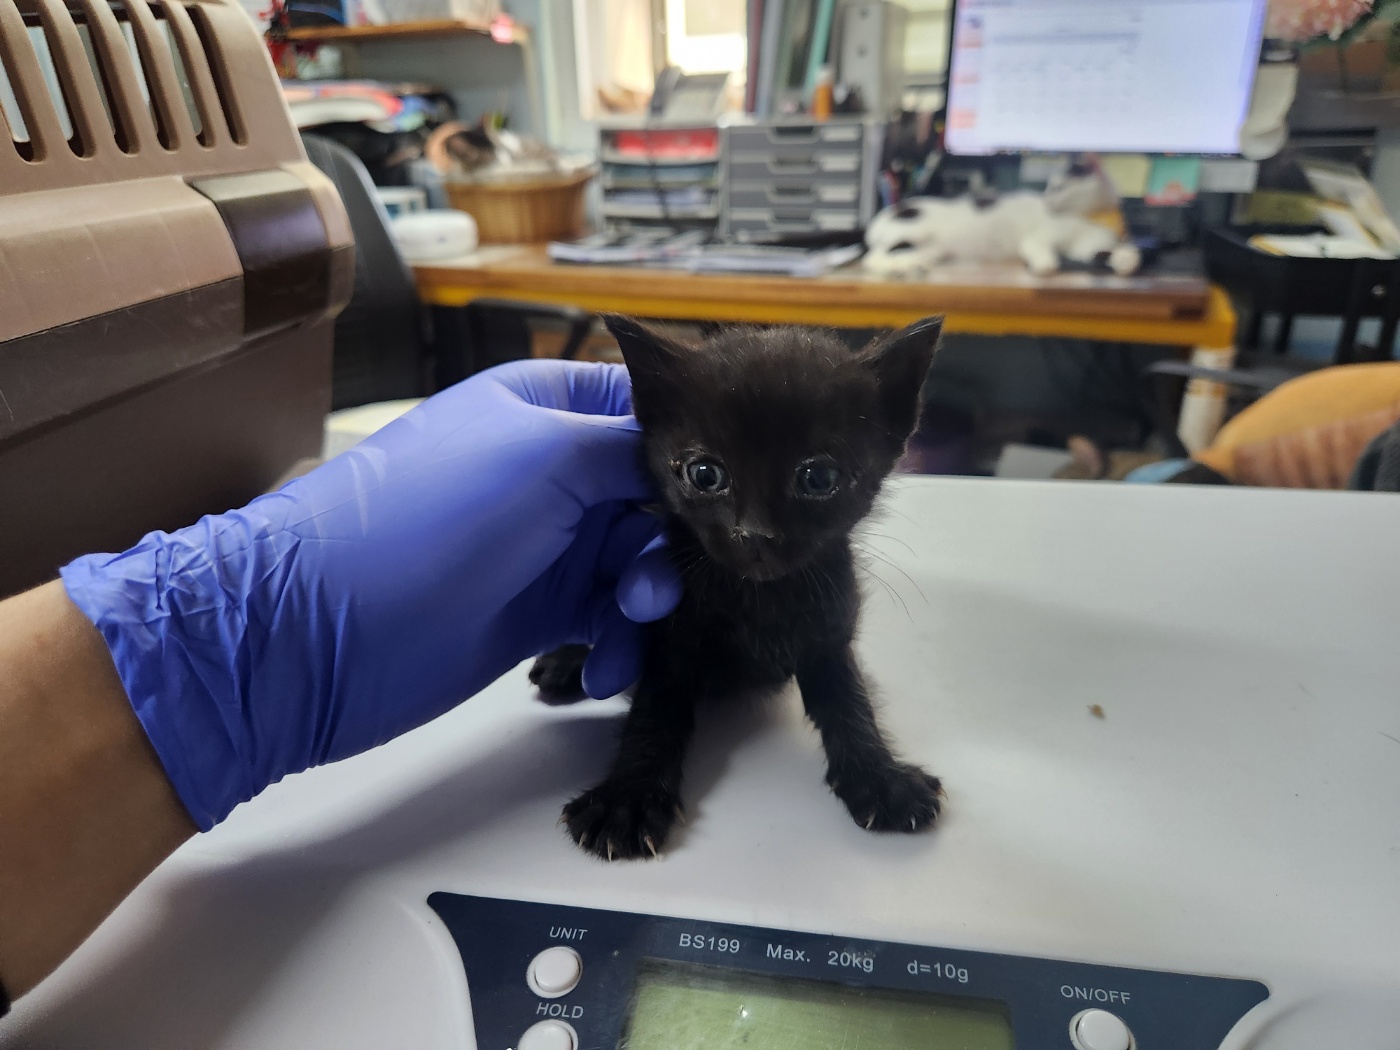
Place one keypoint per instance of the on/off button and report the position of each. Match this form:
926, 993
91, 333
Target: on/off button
1100, 1030
554, 972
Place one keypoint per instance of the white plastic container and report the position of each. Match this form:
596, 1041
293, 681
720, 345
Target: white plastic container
423, 236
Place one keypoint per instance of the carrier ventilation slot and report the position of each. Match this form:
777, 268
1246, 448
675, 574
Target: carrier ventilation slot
156, 60
102, 75
15, 128
59, 88
223, 87
141, 41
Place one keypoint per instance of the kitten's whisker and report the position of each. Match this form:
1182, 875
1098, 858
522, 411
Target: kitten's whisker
871, 574
888, 590
886, 584
866, 534
825, 586
862, 555
814, 579
883, 507
879, 557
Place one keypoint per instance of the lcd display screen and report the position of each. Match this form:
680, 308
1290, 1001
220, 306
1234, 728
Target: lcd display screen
679, 1006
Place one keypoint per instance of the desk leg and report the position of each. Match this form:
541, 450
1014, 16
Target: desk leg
1203, 404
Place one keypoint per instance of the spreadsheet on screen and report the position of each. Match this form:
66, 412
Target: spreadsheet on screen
1154, 76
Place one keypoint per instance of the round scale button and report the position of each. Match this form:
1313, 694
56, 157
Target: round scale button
549, 1035
554, 972
1100, 1030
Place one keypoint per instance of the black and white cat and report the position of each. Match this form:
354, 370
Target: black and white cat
1039, 229
768, 446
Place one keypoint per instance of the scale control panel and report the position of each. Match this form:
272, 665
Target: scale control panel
549, 977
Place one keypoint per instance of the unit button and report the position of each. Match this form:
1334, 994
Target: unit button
1100, 1030
554, 972
549, 1035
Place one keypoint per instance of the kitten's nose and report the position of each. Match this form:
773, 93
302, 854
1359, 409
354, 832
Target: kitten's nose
752, 535
754, 550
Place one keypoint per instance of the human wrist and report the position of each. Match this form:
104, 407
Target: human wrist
86, 811
174, 611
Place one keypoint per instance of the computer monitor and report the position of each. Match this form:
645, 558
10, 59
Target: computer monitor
1112, 76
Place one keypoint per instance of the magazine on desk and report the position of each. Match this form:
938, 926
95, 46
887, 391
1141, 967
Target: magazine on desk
691, 251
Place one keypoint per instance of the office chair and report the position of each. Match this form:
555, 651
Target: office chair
379, 336
1254, 375
386, 346
489, 332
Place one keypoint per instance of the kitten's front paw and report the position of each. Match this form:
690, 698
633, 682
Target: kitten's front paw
895, 797
1125, 259
558, 675
618, 820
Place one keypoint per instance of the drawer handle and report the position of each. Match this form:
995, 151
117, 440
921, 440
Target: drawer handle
800, 133
790, 193
797, 165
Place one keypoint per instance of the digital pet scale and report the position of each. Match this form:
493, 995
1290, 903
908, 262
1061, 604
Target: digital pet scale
1168, 721
595, 978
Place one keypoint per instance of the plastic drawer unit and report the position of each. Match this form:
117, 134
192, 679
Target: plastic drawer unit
791, 177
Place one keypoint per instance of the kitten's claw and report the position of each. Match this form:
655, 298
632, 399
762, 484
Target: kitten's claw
890, 797
680, 814
623, 819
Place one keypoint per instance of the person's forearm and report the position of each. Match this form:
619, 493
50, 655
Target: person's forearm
86, 811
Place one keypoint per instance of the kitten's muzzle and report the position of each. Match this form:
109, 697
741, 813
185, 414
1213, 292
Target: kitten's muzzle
755, 553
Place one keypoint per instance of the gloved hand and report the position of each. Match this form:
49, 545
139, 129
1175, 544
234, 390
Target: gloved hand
492, 523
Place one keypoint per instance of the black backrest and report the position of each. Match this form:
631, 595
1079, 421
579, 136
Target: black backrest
379, 344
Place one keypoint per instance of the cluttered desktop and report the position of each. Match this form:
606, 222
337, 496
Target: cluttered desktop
1092, 332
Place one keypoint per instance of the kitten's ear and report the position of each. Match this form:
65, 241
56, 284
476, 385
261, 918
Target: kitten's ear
653, 360
901, 361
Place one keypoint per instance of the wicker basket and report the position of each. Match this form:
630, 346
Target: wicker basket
524, 211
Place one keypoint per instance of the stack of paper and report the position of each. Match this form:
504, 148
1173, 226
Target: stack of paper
1318, 246
687, 251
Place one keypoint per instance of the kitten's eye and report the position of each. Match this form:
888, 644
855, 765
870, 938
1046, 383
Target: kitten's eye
707, 476
817, 479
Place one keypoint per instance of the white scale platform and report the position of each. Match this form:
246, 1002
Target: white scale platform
1236, 811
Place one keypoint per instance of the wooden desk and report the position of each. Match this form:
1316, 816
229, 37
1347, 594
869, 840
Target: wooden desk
1172, 310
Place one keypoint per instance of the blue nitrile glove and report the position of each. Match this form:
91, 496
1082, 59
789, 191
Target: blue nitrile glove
494, 522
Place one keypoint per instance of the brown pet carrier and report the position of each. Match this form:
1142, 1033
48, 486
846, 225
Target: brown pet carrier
170, 265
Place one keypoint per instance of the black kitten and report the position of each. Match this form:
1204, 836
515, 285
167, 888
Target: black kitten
768, 446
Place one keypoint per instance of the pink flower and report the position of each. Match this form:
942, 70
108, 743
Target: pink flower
1299, 20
